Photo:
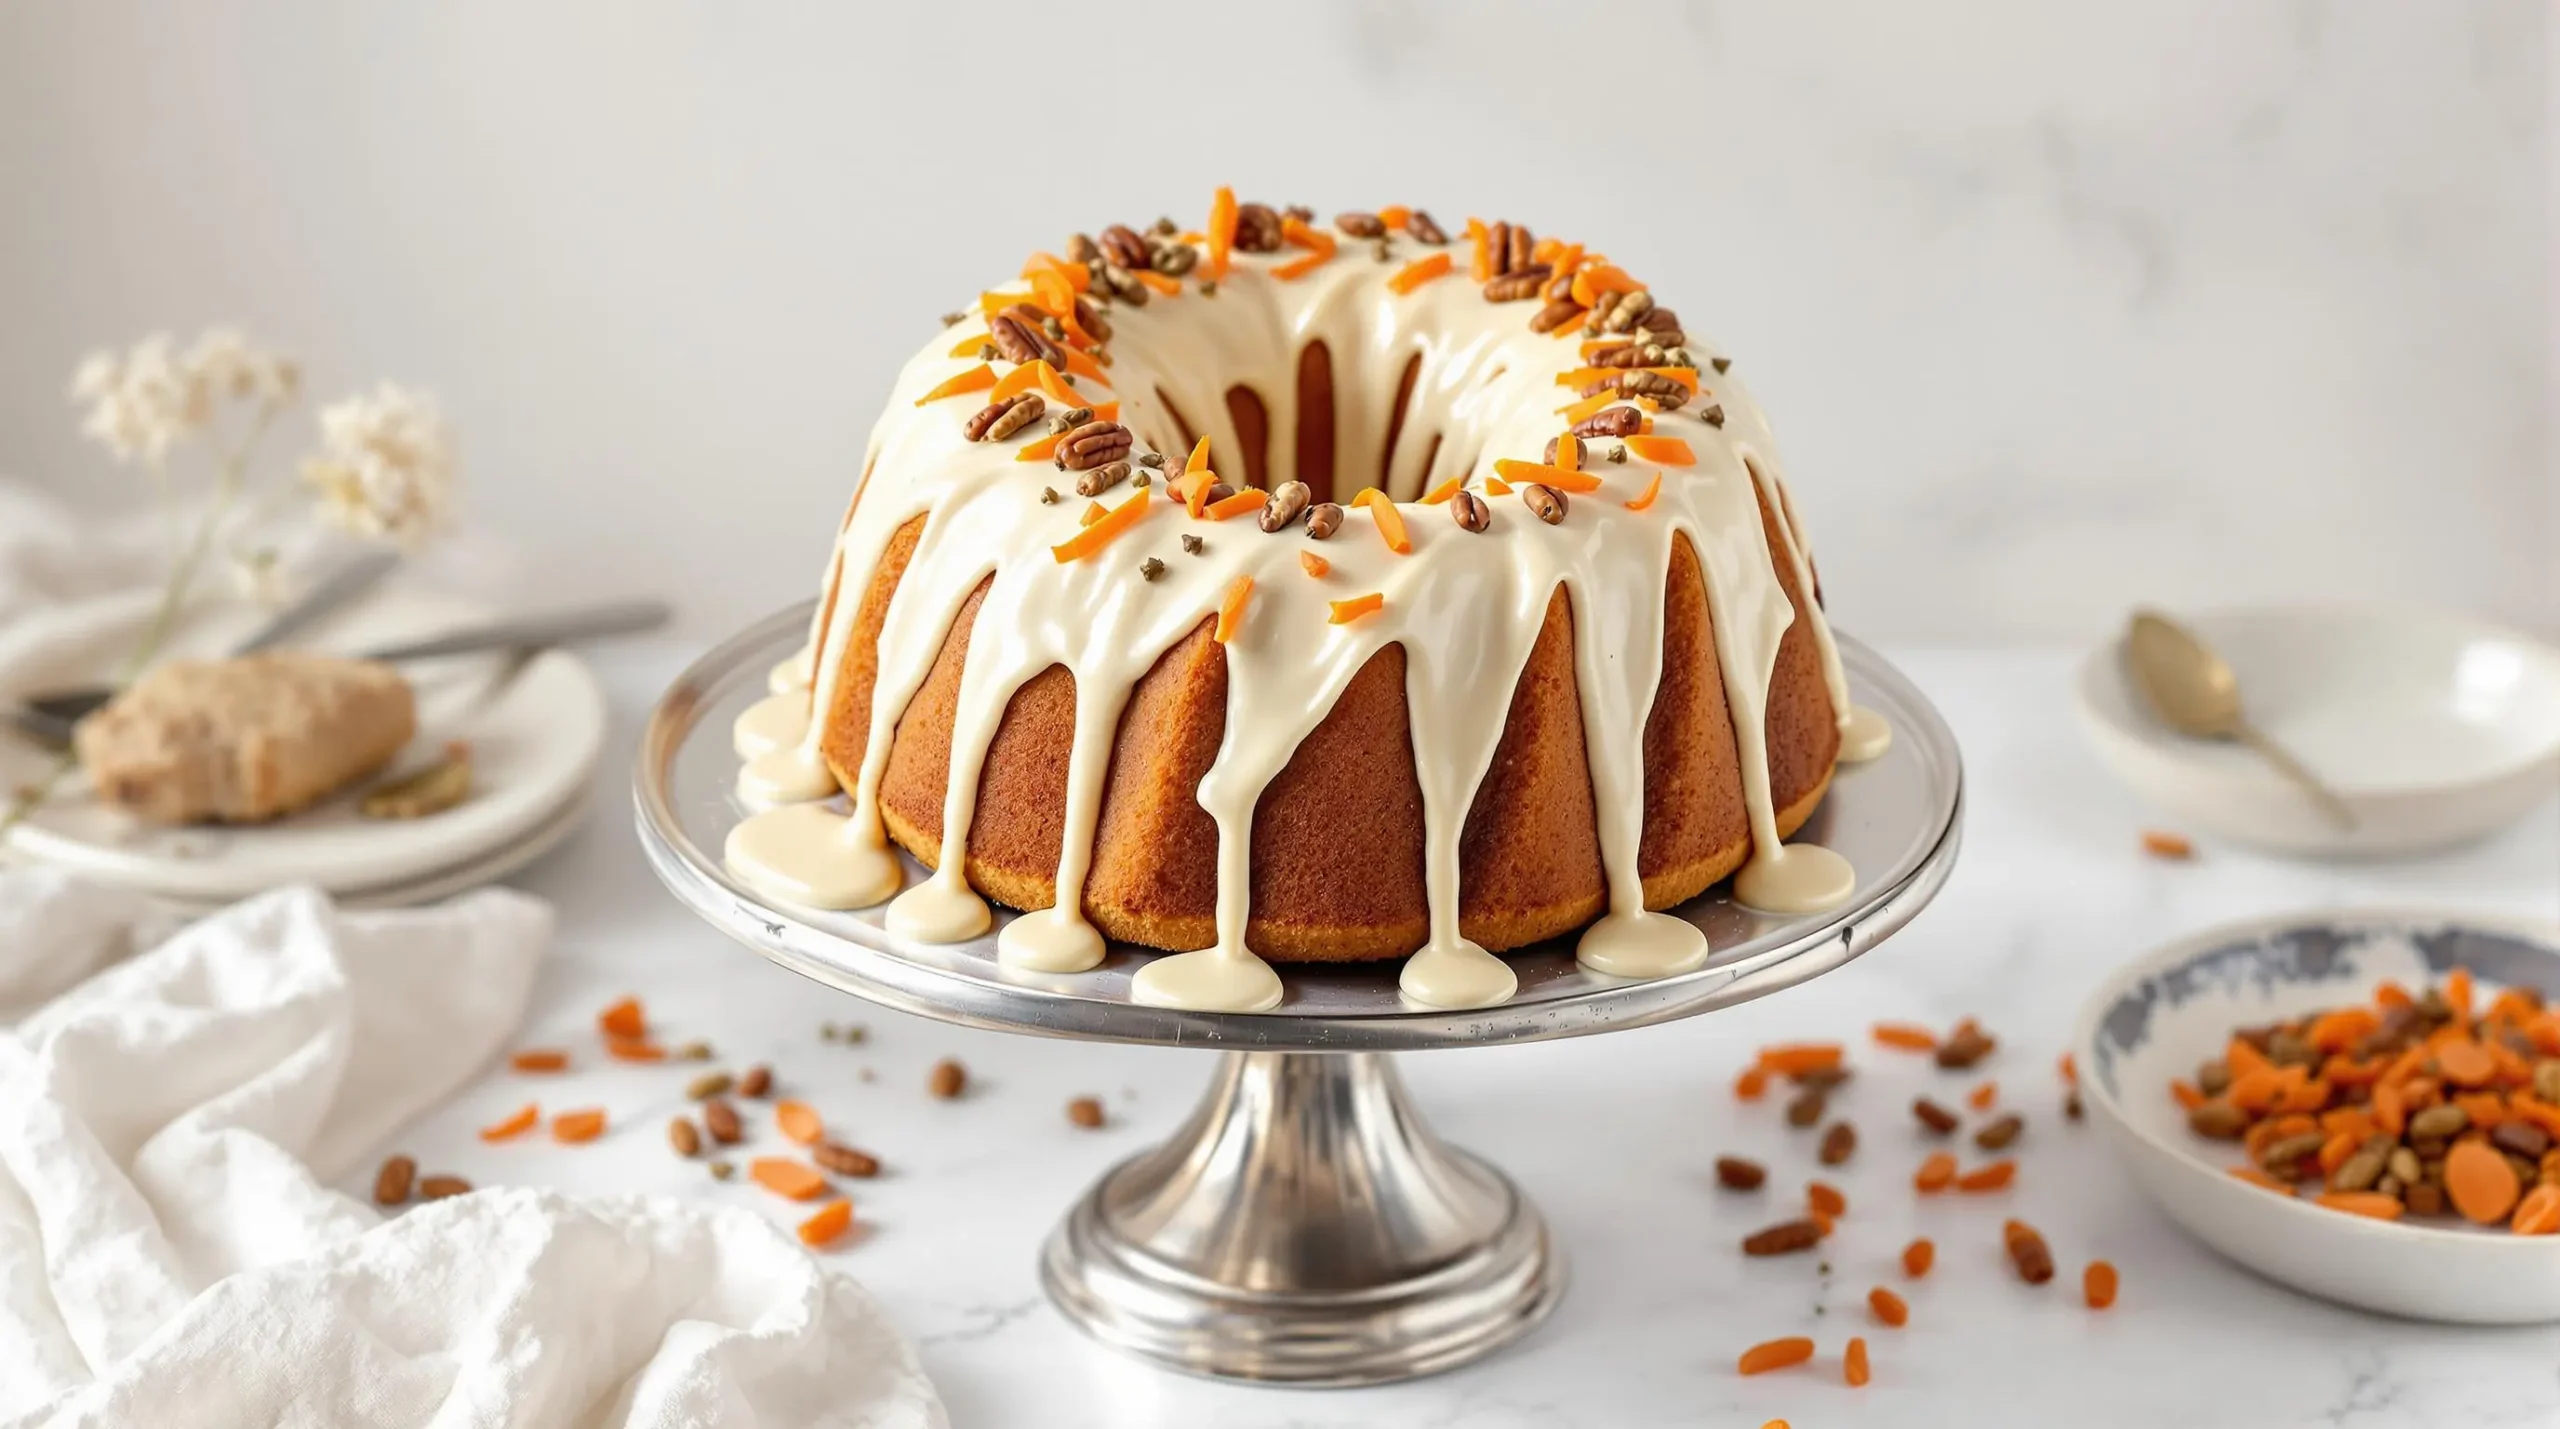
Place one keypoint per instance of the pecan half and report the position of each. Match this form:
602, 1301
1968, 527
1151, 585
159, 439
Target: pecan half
1081, 248
1469, 511
1639, 383
1544, 502
1419, 227
1516, 285
1122, 285
1122, 245
1017, 341
1257, 229
1631, 307
1497, 248
1174, 259
1360, 225
1094, 444
998, 420
1659, 320
1090, 318
1555, 315
1102, 479
1323, 519
1611, 422
1287, 500
1523, 244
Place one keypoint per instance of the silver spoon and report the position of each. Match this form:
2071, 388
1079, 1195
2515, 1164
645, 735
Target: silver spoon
2194, 692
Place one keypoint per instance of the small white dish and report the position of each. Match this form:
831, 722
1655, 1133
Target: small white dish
2162, 1015
2436, 729
536, 728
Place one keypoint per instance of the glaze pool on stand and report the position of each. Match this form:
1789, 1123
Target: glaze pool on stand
1304, 1227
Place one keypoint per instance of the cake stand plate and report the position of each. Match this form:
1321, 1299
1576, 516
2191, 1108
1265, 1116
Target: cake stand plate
1304, 1226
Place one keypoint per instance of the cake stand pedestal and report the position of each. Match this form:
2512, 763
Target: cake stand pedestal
1304, 1226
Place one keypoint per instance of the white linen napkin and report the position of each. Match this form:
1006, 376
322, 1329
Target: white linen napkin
171, 1252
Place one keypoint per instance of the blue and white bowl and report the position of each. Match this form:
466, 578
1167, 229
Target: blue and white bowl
2176, 1007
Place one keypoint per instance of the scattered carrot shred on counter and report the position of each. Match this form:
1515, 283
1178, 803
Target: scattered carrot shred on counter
2098, 1285
577, 1126
831, 1221
540, 1059
799, 1121
524, 1119
1889, 1308
1661, 451
623, 1019
976, 379
1588, 407
1853, 1365
1794, 1059
1249, 499
2070, 1067
1936, 1173
1826, 1198
1918, 1256
1098, 535
1905, 1037
1444, 491
634, 1049
2161, 844
1652, 489
1752, 1085
1420, 271
1382, 509
787, 1178
1982, 1097
1775, 1354
1231, 609
1313, 564
1992, 1176
1347, 611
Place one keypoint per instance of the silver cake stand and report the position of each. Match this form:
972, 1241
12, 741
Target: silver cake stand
1304, 1226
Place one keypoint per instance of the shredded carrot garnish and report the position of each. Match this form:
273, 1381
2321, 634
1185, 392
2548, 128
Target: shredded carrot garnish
1320, 243
2539, 1212
1347, 611
1906, 1036
1195, 492
1568, 452
1420, 271
526, 1117
1444, 491
2069, 1066
540, 1059
1584, 376
1390, 520
1936, 1173
1480, 267
1222, 230
1890, 1311
576, 1126
1918, 1256
1992, 1177
1826, 1198
2098, 1285
1652, 489
1101, 533
785, 1177
1074, 275
968, 346
1775, 1354
1795, 1059
1661, 451
1395, 216
1853, 1365
1496, 486
1093, 511
1199, 458
1231, 608
976, 379
1054, 383
1313, 564
1981, 1097
799, 1122
1752, 1085
1050, 293
832, 1220
1167, 285
2159, 843
624, 1019
1588, 407
2362, 1203
1555, 476
1597, 278
634, 1049
1082, 365
1251, 498
1035, 373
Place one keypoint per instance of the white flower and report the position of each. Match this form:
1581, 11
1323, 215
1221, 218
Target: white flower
223, 363
142, 403
385, 466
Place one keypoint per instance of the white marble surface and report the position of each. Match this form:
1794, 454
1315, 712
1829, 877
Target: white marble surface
2056, 306
1615, 1137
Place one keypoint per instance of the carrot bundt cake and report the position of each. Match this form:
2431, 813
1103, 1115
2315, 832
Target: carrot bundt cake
1309, 591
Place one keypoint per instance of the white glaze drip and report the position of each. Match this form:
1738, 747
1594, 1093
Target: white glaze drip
792, 673
1864, 735
774, 722
1802, 878
1465, 607
810, 855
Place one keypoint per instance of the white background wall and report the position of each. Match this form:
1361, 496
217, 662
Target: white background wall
2057, 305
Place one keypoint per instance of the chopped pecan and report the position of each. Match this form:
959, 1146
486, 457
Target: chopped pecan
1517, 285
1419, 227
1360, 225
1720, 364
1094, 444
1555, 315
1001, 419
1102, 478
1323, 519
1081, 248
1124, 287
1257, 229
1639, 383
1174, 259
1469, 511
1714, 415
1122, 245
1544, 502
1610, 422
1287, 500
1300, 212
1070, 419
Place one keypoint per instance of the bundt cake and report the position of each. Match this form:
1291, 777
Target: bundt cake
1308, 592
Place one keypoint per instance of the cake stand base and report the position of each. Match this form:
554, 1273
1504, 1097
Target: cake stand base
1304, 1227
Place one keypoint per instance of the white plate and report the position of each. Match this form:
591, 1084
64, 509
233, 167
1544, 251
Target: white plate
536, 728
2436, 729
2177, 1007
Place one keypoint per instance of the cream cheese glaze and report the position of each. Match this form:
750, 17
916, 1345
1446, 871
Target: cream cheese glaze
1465, 606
